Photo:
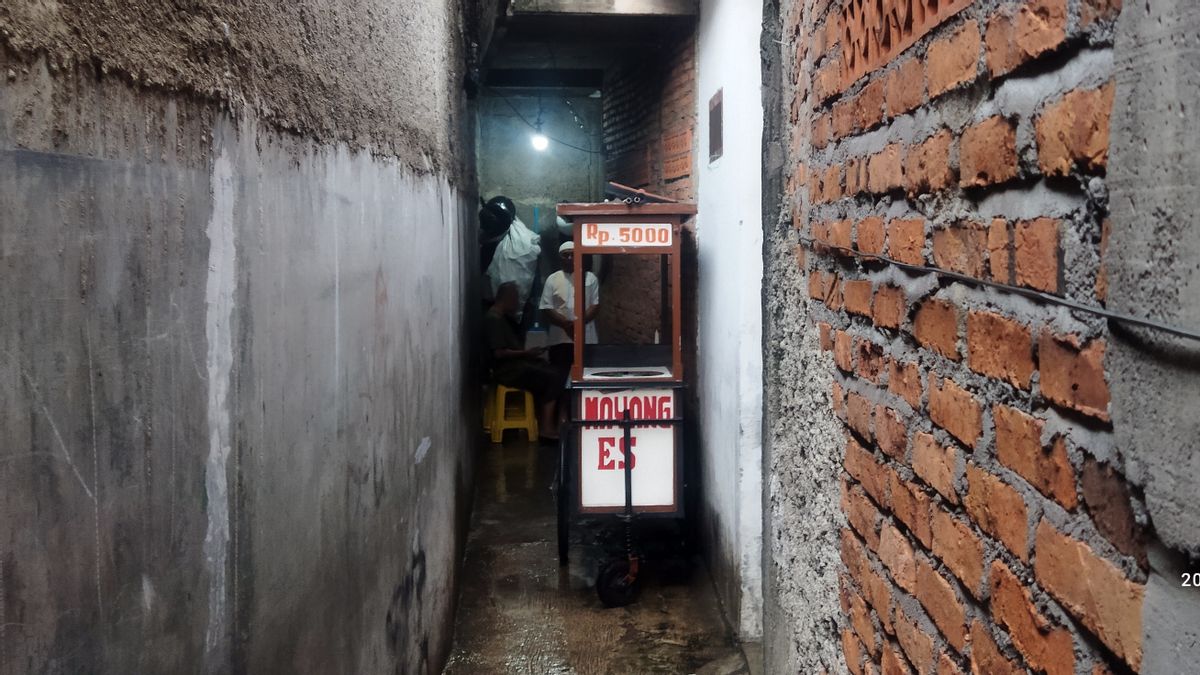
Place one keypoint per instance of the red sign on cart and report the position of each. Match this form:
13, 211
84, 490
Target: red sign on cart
651, 451
627, 235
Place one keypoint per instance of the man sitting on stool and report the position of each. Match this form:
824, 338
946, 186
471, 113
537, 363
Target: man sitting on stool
558, 308
514, 366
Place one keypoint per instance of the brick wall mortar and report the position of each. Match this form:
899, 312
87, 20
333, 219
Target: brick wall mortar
991, 145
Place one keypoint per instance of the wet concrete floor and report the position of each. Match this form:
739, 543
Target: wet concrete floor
521, 613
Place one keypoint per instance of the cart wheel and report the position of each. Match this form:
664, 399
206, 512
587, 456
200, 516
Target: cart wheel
615, 586
562, 495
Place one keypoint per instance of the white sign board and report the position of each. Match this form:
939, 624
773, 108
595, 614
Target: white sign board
602, 449
627, 235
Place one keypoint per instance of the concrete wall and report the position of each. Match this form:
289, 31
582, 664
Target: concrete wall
729, 300
1153, 250
233, 349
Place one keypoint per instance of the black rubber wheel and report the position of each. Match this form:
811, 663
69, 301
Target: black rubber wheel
614, 586
562, 494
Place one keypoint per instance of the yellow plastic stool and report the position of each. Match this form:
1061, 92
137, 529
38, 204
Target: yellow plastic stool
524, 417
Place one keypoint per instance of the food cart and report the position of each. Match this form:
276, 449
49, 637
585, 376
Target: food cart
621, 447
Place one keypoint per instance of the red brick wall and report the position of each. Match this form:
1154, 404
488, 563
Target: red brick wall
990, 526
650, 118
649, 122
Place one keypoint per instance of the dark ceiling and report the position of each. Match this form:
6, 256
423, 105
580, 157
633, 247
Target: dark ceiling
572, 50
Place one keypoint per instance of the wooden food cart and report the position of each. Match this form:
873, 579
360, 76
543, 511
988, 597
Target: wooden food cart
625, 400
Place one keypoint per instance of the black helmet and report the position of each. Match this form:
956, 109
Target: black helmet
495, 217
505, 204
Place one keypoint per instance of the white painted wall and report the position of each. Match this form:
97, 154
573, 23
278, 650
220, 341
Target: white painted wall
729, 235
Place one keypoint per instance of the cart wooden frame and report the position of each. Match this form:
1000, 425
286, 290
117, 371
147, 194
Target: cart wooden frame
622, 228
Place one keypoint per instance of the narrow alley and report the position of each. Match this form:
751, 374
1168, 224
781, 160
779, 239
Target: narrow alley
725, 337
522, 613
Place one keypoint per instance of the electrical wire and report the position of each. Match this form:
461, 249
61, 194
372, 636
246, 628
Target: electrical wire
1026, 292
534, 127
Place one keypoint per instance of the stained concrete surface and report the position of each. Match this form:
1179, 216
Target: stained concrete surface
1153, 268
236, 247
231, 391
1153, 254
521, 613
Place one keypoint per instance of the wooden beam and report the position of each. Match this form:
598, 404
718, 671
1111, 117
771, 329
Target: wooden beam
606, 7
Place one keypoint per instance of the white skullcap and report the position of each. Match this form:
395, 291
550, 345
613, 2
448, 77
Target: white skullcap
566, 246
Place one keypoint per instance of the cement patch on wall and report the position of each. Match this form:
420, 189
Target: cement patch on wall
802, 442
232, 373
803, 461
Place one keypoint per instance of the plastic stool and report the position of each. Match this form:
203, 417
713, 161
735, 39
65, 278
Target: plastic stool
526, 417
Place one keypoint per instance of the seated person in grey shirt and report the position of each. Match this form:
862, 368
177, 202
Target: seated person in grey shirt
514, 366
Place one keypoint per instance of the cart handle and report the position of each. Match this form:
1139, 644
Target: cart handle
633, 423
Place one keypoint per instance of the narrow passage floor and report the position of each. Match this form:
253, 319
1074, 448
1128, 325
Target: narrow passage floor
521, 613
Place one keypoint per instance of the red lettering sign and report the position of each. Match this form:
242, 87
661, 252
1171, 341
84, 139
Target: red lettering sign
640, 407
604, 457
606, 461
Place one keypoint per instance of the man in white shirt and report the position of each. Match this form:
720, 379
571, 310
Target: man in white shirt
558, 308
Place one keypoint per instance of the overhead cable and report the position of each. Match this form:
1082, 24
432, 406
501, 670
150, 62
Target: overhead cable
535, 128
1026, 292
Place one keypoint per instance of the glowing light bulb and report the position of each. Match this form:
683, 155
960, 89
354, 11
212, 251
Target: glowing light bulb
540, 142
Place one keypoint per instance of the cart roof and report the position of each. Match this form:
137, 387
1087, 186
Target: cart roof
623, 209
